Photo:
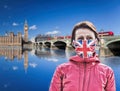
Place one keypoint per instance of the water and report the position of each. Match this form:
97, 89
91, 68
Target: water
32, 70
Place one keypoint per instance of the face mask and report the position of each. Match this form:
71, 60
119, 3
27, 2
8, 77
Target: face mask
84, 48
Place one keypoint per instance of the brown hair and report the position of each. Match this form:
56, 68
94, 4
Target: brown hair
84, 24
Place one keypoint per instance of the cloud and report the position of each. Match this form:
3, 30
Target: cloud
33, 27
53, 32
33, 39
52, 59
15, 24
5, 85
15, 67
5, 6
33, 65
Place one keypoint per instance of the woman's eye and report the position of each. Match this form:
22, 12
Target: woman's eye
80, 38
89, 38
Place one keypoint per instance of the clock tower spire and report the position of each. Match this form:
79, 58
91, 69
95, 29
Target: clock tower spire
26, 31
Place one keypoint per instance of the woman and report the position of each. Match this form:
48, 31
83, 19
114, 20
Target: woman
83, 72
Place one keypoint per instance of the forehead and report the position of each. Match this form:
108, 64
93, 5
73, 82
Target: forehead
82, 31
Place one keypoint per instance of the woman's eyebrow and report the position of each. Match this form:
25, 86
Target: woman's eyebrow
88, 35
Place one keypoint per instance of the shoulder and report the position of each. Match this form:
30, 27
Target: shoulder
104, 68
64, 67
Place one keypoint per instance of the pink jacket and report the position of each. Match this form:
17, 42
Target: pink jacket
83, 75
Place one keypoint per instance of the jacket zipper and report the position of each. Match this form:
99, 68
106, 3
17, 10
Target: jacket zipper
79, 79
84, 76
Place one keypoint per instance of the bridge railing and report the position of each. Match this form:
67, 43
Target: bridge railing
109, 38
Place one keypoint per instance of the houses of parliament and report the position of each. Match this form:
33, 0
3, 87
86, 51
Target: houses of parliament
14, 40
11, 46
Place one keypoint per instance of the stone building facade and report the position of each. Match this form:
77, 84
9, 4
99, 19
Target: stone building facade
11, 39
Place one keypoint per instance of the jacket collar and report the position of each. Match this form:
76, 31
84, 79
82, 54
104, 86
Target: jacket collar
79, 59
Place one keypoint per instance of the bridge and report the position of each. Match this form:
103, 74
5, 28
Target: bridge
108, 44
55, 43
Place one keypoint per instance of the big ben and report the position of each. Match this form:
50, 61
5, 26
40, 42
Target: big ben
26, 32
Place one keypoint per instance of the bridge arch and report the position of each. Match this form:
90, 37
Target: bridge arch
40, 43
114, 46
110, 42
60, 44
47, 44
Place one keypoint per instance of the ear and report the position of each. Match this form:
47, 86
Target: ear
96, 41
72, 43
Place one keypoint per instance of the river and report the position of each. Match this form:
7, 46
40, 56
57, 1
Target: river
32, 70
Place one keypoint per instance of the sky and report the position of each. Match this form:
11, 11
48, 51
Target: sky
58, 16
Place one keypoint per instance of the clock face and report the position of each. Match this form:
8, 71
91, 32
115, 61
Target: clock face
26, 28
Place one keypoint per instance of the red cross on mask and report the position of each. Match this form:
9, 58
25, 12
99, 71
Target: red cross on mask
84, 48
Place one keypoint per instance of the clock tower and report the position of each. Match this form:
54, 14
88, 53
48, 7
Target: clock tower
26, 31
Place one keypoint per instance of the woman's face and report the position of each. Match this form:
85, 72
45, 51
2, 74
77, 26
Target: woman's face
84, 34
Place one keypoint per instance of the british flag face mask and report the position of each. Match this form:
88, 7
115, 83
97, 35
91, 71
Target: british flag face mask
85, 48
